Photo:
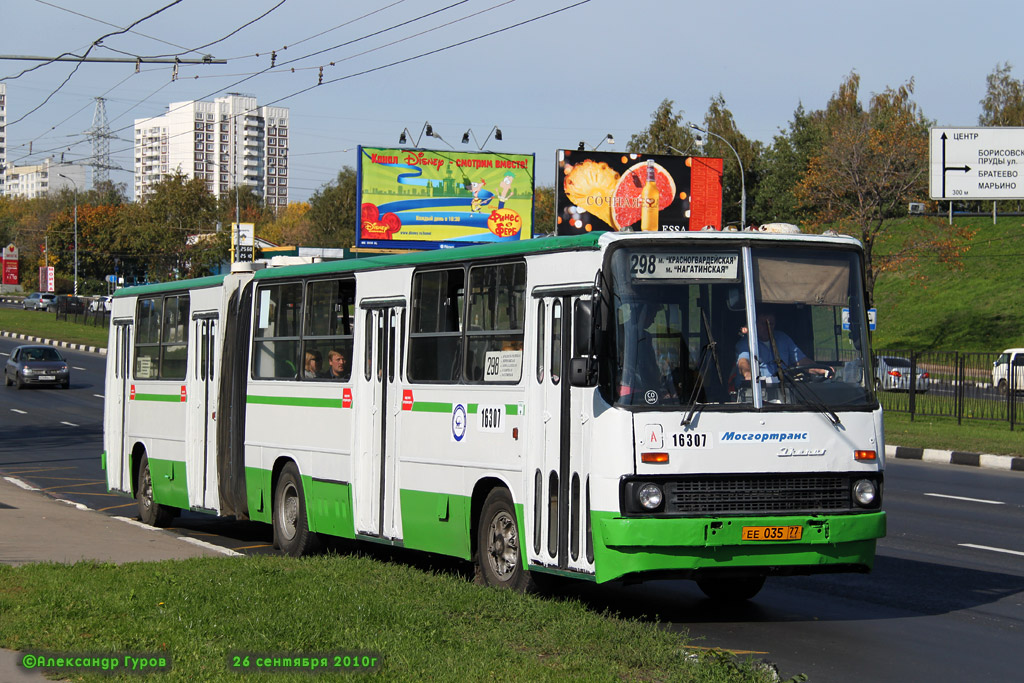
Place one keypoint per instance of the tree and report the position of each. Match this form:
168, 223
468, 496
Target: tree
719, 120
783, 165
176, 234
1003, 104
665, 131
332, 212
544, 210
291, 226
871, 163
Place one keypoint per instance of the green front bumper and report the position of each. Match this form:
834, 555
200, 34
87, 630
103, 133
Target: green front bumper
625, 546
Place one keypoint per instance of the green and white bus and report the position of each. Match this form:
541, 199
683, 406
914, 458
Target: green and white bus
577, 406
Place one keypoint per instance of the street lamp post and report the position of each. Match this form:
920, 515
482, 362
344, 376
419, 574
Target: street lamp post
743, 183
76, 228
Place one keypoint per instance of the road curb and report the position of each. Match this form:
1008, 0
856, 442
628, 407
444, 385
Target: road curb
53, 342
988, 460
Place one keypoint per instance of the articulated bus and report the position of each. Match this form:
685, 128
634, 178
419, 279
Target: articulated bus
608, 406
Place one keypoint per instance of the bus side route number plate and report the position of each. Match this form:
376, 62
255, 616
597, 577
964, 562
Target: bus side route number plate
772, 533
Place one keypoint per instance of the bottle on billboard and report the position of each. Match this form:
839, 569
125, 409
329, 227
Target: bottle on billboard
649, 198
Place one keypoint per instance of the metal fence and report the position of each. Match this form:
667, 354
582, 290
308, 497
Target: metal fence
83, 310
951, 384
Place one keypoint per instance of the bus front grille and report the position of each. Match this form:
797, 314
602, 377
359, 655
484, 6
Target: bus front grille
758, 494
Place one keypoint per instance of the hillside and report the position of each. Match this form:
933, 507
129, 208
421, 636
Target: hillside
980, 308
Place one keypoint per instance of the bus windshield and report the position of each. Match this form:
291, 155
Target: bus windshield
690, 328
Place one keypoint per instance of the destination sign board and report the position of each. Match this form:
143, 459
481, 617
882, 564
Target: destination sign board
976, 163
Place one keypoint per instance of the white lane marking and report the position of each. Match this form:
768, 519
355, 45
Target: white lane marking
988, 547
20, 484
969, 500
5, 354
70, 424
75, 367
98, 395
19, 412
187, 539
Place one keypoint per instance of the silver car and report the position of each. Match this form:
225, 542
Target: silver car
37, 365
39, 301
892, 373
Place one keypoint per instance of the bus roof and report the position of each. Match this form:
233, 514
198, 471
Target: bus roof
589, 241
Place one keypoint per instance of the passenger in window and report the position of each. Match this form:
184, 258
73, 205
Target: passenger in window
311, 369
336, 365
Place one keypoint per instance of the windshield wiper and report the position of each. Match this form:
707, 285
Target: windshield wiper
811, 397
710, 351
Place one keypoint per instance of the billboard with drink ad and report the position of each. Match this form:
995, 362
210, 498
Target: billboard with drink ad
431, 199
634, 192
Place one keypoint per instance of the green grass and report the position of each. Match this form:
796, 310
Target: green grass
973, 436
421, 625
980, 308
45, 325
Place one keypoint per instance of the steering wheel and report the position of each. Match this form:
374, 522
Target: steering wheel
802, 373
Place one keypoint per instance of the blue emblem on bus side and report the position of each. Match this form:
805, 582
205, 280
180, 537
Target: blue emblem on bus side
459, 422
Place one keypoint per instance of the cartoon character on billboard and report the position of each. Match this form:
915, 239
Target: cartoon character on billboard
481, 197
505, 193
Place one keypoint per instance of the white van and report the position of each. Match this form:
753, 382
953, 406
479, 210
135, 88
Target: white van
1001, 378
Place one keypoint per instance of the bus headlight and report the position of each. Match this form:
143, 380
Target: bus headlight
650, 496
865, 492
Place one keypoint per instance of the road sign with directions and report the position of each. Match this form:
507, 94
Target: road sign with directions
976, 163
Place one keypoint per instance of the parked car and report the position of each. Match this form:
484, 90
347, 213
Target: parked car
1001, 376
36, 365
39, 301
69, 305
892, 373
100, 303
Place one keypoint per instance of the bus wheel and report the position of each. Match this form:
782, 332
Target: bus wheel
291, 528
499, 559
151, 512
734, 589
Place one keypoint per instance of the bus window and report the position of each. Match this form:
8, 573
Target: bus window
173, 357
494, 335
162, 339
148, 314
276, 342
327, 333
435, 341
540, 341
556, 340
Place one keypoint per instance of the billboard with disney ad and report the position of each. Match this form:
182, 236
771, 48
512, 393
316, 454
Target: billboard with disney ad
434, 199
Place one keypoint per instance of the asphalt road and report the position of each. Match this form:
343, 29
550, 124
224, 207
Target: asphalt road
945, 602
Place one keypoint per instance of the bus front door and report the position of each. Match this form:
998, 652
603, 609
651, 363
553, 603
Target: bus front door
559, 479
376, 496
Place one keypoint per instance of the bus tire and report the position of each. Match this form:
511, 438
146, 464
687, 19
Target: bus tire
499, 558
291, 526
732, 589
150, 512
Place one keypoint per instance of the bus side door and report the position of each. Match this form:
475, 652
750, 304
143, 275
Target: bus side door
200, 431
118, 393
379, 402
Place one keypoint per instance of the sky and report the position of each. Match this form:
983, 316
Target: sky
548, 73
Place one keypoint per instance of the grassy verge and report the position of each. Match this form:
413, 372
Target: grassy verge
976, 436
46, 325
420, 625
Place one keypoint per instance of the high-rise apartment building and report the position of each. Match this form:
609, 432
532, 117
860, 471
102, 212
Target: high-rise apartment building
230, 141
38, 180
3, 134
